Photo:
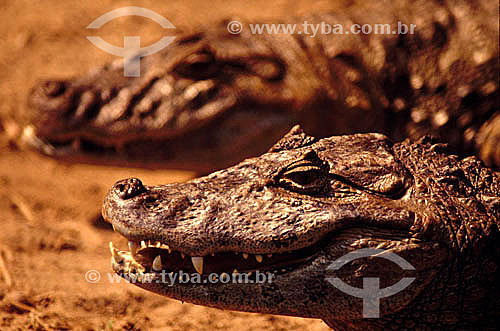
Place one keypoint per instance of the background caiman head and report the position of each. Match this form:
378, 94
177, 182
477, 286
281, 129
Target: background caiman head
207, 101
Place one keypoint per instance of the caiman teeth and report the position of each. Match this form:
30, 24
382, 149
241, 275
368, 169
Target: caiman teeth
154, 256
197, 263
133, 248
157, 263
115, 257
30, 138
155, 244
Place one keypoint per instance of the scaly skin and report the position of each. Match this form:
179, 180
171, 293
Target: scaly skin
211, 99
309, 201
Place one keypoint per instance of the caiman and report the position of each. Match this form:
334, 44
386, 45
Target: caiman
293, 211
212, 98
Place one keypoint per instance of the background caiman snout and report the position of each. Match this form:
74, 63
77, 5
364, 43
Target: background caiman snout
49, 96
52, 88
48, 103
58, 105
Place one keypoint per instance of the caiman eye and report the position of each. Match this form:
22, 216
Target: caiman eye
305, 178
198, 66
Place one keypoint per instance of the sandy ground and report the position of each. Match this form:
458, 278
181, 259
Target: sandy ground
49, 235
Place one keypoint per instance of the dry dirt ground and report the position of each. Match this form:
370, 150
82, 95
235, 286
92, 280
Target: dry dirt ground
49, 236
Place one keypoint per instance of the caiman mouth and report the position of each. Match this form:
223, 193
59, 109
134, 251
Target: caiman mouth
155, 257
65, 146
203, 149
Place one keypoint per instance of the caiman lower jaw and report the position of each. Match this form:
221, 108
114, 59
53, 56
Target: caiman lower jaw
63, 147
156, 257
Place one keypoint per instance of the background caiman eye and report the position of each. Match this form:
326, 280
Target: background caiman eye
198, 66
304, 179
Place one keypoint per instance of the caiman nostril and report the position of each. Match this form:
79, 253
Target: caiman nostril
53, 88
128, 188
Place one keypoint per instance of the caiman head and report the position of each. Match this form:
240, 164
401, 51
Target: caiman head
287, 215
205, 102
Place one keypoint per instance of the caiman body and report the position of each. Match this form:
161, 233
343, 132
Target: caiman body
304, 204
212, 98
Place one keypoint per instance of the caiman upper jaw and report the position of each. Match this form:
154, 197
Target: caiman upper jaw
150, 255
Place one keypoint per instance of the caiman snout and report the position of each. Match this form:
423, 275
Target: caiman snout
52, 88
128, 188
50, 95
56, 105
